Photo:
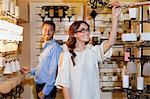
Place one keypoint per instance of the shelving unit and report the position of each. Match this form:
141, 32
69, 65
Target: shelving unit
10, 36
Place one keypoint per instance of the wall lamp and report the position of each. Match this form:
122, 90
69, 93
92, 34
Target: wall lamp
56, 12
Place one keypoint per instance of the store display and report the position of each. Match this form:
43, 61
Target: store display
133, 12
140, 83
5, 5
125, 81
145, 36
129, 37
8, 69
131, 67
146, 68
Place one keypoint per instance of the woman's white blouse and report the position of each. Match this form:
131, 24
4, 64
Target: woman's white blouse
83, 78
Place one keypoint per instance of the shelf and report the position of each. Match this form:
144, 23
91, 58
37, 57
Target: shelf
20, 21
109, 70
111, 89
110, 84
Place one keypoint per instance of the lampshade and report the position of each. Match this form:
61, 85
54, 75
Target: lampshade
133, 12
8, 69
145, 36
129, 37
2, 61
131, 67
13, 66
140, 83
102, 29
146, 69
17, 64
125, 81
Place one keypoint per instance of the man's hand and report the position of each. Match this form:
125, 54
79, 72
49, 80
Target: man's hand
25, 70
41, 95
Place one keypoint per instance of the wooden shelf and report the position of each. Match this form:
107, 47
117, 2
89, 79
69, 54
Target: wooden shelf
110, 70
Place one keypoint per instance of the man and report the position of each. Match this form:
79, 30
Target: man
45, 72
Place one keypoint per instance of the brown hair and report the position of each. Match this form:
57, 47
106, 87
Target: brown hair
72, 40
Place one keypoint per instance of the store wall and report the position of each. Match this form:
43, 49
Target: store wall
25, 45
24, 4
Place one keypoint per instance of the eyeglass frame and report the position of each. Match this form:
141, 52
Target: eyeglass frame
83, 30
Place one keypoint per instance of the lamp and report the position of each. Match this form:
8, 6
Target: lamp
131, 67
13, 66
102, 29
18, 65
7, 69
133, 12
95, 2
56, 12
146, 69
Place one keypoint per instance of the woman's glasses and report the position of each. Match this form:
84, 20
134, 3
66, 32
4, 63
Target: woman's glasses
83, 30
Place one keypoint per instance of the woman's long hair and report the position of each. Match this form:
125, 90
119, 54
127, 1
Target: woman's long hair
71, 42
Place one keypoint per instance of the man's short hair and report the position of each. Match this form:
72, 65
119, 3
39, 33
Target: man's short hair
49, 23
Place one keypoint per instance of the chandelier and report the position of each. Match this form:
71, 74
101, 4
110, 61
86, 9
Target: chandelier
95, 3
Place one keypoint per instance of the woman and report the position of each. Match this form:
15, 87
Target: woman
78, 74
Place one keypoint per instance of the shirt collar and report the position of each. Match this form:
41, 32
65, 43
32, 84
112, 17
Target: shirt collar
48, 43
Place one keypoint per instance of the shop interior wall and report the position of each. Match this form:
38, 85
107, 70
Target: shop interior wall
24, 4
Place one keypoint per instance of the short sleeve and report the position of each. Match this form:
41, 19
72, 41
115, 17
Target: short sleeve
63, 76
100, 53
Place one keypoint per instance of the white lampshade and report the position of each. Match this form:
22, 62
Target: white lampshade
17, 65
13, 66
146, 69
145, 36
125, 81
5, 5
140, 83
17, 11
8, 69
133, 12
2, 61
131, 67
12, 8
129, 37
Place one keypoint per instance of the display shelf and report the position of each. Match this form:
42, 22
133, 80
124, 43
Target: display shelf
110, 89
110, 84
110, 70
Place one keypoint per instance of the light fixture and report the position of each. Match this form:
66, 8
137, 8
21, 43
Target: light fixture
102, 29
56, 12
133, 12
131, 67
94, 3
146, 69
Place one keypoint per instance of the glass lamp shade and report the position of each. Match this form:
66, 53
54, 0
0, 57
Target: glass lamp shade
125, 81
13, 66
7, 69
146, 69
133, 12
17, 64
102, 29
2, 62
131, 67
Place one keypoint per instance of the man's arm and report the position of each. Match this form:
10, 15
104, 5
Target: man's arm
53, 63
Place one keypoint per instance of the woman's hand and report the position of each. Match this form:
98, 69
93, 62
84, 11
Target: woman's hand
116, 11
